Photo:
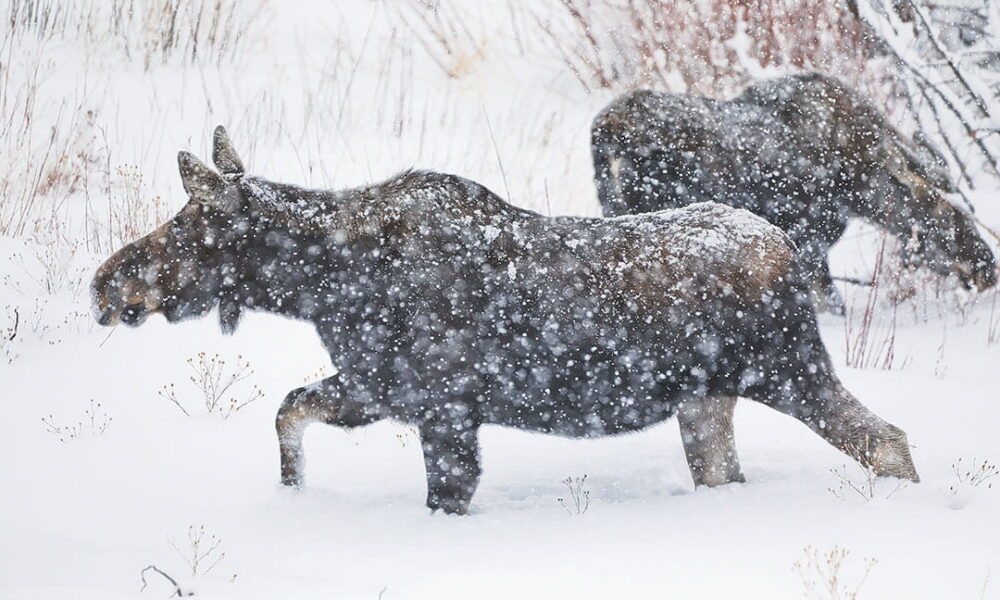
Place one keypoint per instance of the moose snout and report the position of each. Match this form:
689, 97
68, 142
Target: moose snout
985, 277
106, 310
117, 296
980, 276
111, 306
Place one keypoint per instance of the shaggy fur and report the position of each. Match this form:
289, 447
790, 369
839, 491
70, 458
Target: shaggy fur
806, 153
446, 308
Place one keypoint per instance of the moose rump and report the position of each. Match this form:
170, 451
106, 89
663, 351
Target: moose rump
446, 308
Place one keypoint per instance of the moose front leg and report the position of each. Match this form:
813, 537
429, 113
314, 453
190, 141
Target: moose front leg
707, 433
325, 402
451, 458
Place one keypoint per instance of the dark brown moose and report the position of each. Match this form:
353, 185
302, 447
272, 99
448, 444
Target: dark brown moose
803, 151
446, 308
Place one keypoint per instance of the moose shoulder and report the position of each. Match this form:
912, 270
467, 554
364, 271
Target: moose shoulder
444, 307
805, 152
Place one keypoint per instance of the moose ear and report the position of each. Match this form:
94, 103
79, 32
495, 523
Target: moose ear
200, 182
224, 155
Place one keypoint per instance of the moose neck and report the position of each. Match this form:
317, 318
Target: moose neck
886, 203
300, 275
295, 261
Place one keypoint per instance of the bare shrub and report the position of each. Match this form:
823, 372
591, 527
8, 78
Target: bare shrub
201, 551
35, 323
870, 342
53, 267
823, 574
945, 82
579, 497
864, 481
978, 474
94, 423
443, 33
194, 30
132, 214
57, 155
217, 384
8, 334
708, 47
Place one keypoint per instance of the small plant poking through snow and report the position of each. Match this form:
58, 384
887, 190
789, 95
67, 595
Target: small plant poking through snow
579, 498
871, 344
95, 422
822, 574
866, 486
320, 373
977, 476
202, 551
215, 381
9, 334
406, 435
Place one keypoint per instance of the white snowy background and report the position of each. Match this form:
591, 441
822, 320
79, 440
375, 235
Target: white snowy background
332, 94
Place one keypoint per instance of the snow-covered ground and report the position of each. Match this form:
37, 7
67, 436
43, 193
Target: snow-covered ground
334, 96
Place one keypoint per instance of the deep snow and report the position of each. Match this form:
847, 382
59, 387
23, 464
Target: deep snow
81, 518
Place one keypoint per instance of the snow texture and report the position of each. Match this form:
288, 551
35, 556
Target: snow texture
96, 492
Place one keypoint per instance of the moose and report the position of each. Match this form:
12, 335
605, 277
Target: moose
446, 308
803, 151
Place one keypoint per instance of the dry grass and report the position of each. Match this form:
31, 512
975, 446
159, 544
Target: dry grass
219, 385
52, 134
823, 574
579, 496
869, 337
153, 31
706, 47
979, 473
94, 423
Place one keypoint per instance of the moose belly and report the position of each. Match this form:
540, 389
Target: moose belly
574, 395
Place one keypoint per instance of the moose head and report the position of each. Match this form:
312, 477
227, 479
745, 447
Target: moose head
189, 264
935, 233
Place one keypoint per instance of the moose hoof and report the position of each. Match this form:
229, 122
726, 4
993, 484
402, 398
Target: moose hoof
292, 479
712, 480
891, 457
449, 506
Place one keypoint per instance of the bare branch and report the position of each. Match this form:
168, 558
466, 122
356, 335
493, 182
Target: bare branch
177, 588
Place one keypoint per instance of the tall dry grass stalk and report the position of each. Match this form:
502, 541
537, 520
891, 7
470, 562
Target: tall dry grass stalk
708, 47
152, 31
870, 337
54, 137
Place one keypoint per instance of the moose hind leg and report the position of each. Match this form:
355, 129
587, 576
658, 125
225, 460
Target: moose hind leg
707, 433
325, 402
451, 458
836, 415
